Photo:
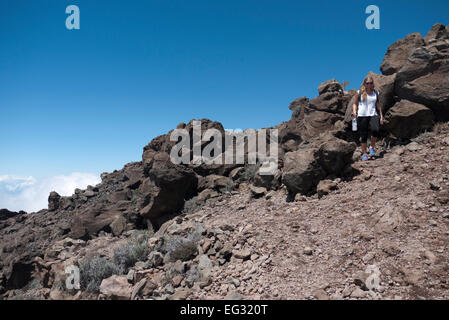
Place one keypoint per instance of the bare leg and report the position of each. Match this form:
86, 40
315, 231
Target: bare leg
373, 141
363, 147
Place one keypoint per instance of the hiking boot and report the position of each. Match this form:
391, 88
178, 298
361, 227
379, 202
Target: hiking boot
371, 151
364, 157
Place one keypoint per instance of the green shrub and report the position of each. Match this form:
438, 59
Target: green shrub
34, 284
190, 206
136, 249
93, 271
182, 248
229, 186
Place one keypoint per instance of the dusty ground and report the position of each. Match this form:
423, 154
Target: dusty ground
382, 235
394, 216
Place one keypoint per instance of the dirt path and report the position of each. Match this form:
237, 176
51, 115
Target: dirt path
389, 217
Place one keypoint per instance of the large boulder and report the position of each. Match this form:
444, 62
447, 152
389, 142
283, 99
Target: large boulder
334, 102
331, 98
87, 223
330, 86
302, 171
334, 155
317, 122
53, 201
398, 52
169, 186
324, 156
424, 78
116, 288
406, 119
163, 144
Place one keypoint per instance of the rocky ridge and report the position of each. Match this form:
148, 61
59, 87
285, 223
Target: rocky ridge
156, 230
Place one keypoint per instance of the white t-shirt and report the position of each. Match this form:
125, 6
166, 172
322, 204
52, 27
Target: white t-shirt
367, 108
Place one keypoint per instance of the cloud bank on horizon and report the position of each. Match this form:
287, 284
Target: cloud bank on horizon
31, 194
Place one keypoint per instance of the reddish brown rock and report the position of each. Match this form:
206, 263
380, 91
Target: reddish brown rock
407, 119
398, 52
116, 288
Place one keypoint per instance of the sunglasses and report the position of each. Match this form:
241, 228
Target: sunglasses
368, 83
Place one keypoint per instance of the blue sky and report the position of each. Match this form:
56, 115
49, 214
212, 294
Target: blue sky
88, 100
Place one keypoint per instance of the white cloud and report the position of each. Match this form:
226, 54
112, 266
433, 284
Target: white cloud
12, 183
31, 195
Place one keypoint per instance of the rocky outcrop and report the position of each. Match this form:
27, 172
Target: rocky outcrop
437, 32
24, 237
53, 201
173, 184
408, 119
330, 86
423, 79
398, 52
312, 118
414, 70
331, 98
164, 145
6, 214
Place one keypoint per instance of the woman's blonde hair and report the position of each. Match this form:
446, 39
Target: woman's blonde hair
363, 88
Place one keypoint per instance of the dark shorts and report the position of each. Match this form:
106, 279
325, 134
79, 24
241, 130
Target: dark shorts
364, 124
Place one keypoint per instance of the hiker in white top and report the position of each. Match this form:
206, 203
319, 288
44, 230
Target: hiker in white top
367, 109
